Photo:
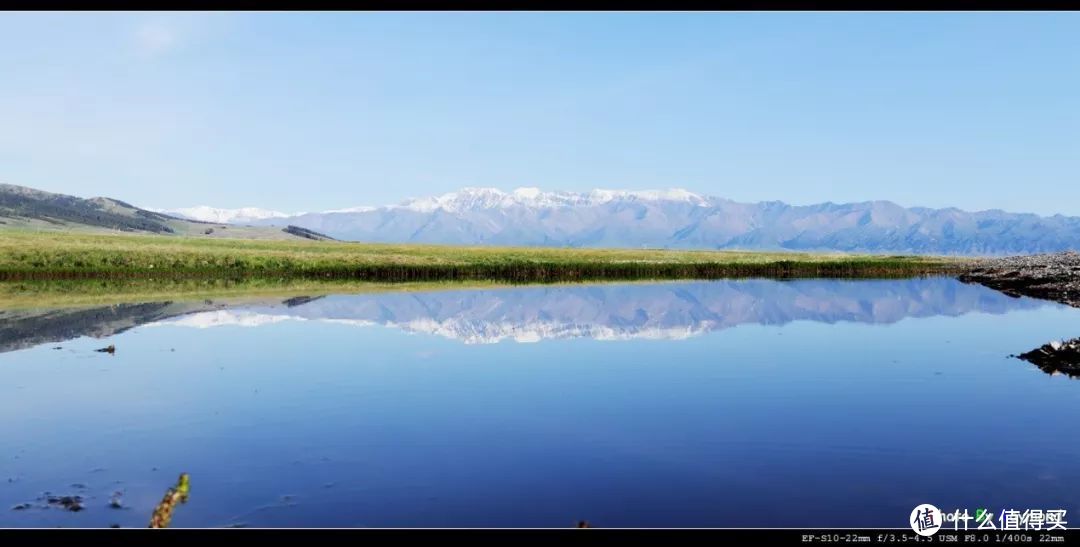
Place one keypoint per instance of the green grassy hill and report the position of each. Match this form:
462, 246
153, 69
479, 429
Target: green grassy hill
29, 209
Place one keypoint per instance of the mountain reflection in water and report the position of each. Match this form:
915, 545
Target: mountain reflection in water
530, 314
681, 404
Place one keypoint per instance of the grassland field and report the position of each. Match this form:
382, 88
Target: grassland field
27, 255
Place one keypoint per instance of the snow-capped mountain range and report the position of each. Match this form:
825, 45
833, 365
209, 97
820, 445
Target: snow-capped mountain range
672, 218
465, 199
533, 198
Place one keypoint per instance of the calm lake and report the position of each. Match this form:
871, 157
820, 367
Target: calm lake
810, 403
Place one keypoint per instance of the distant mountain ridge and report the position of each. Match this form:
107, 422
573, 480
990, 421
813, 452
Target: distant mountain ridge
678, 218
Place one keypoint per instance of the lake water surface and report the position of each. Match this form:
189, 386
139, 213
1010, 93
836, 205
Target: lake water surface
817, 403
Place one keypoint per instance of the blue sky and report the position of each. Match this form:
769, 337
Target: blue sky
311, 111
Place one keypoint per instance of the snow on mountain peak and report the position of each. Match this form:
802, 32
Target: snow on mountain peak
468, 198
671, 194
361, 209
490, 198
527, 193
206, 213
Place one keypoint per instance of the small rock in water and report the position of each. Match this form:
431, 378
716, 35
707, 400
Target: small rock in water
110, 349
58, 347
1057, 357
21, 507
71, 503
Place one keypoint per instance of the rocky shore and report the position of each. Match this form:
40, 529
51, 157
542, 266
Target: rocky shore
1048, 276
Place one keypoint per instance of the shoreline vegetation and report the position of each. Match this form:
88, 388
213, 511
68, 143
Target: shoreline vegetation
36, 294
41, 256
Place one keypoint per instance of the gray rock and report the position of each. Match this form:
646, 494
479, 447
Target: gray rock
1053, 276
1059, 357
